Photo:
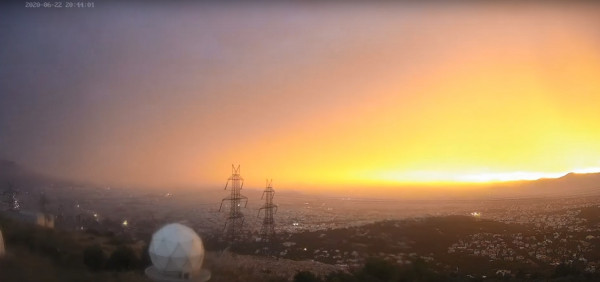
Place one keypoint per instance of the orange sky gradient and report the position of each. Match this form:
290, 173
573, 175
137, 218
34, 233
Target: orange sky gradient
335, 96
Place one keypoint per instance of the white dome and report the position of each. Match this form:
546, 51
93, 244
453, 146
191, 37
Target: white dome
176, 248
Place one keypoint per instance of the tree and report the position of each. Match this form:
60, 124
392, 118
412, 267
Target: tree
122, 259
94, 257
340, 276
565, 269
145, 259
378, 269
306, 276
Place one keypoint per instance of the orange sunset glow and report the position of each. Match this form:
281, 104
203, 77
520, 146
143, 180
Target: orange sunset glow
313, 96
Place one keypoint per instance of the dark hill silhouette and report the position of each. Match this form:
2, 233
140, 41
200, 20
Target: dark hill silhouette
10, 169
569, 185
12, 173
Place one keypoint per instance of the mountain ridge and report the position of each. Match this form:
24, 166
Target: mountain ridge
567, 185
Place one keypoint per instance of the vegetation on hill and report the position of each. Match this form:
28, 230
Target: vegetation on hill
40, 254
90, 256
379, 270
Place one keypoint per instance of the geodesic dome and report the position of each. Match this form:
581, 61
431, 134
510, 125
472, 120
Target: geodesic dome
177, 249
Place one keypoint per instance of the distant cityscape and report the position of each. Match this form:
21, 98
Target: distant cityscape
534, 232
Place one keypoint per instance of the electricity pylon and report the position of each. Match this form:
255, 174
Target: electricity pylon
267, 232
235, 221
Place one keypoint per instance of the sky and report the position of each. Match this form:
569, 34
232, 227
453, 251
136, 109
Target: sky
312, 95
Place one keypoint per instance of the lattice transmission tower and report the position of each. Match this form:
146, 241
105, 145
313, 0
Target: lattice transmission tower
235, 220
267, 231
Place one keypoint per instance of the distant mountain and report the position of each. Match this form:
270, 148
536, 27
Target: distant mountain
7, 167
10, 170
20, 176
571, 184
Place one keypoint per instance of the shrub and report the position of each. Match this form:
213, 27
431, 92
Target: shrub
94, 257
306, 276
122, 259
